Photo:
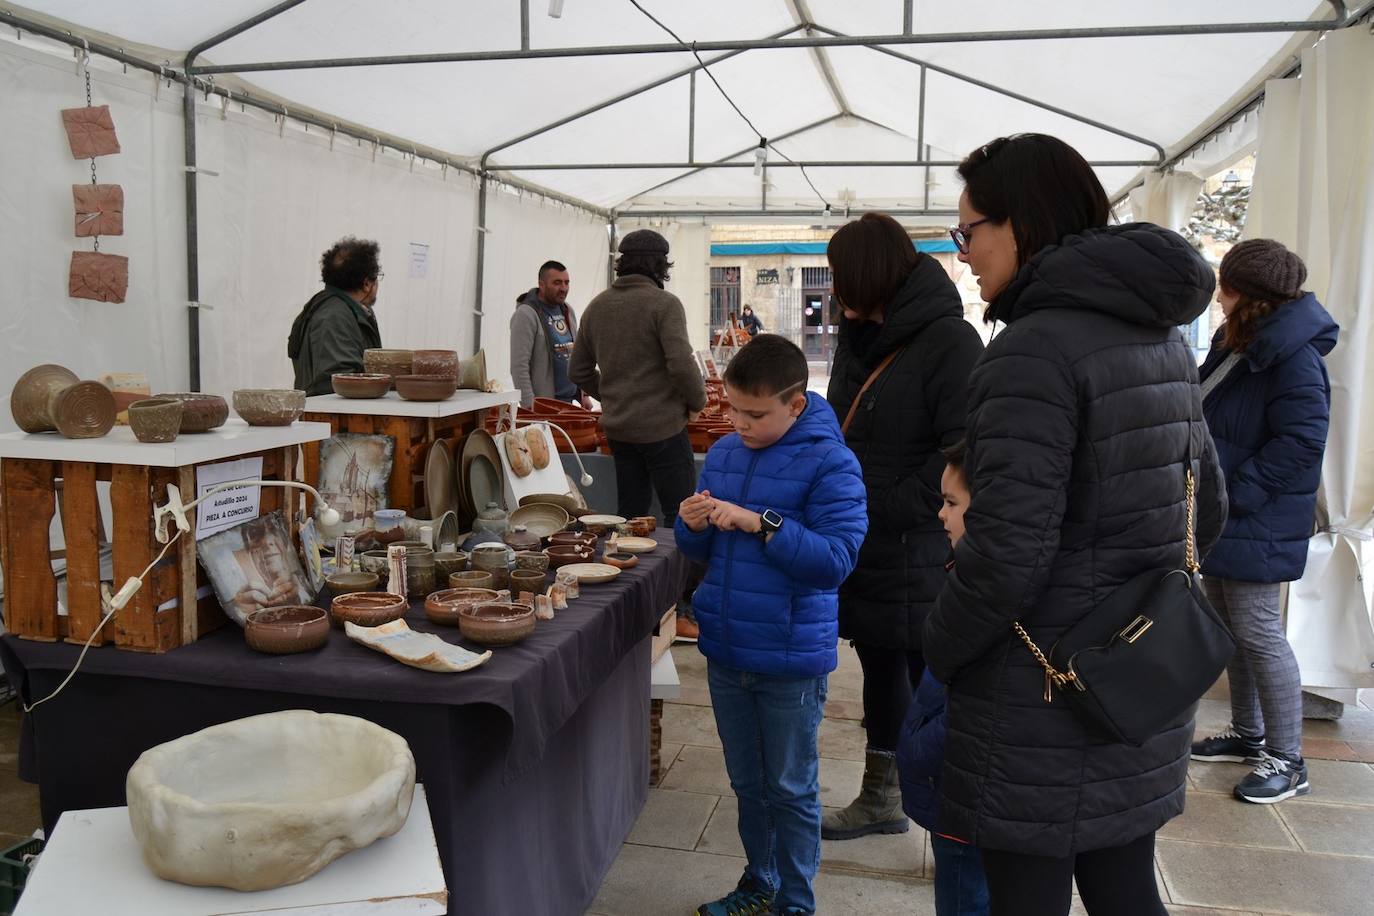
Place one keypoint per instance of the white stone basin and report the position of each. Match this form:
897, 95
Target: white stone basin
268, 800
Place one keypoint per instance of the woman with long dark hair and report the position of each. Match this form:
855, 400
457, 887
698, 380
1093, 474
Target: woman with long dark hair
898, 383
1083, 415
1268, 404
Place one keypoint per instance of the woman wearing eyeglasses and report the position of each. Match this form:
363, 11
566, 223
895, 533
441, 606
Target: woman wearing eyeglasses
1081, 416
898, 384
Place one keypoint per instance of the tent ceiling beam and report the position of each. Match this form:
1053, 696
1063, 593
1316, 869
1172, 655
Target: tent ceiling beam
238, 29
774, 44
701, 167
784, 164
1011, 94
639, 90
793, 213
802, 15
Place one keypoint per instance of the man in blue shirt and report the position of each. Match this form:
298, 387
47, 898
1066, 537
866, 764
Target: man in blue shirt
542, 331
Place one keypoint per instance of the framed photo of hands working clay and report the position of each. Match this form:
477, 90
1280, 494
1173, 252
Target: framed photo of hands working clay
253, 565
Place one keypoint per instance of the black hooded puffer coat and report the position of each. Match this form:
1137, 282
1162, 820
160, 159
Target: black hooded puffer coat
1081, 413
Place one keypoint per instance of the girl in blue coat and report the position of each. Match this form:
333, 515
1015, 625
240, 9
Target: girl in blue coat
1267, 400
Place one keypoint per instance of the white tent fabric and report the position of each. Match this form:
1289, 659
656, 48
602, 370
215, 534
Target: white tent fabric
1314, 191
1166, 200
473, 107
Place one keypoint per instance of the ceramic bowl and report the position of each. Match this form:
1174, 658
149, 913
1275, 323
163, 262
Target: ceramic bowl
496, 623
342, 583
361, 384
562, 555
448, 562
435, 362
601, 524
155, 419
367, 609
472, 578
542, 519
425, 387
573, 539
520, 538
564, 501
269, 406
373, 561
200, 412
31, 394
620, 560
526, 580
387, 362
643, 525
532, 559
491, 557
287, 629
444, 606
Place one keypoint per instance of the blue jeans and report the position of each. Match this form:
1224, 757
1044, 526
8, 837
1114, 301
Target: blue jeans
768, 727
960, 888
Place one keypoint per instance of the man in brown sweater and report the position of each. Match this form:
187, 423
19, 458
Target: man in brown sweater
632, 355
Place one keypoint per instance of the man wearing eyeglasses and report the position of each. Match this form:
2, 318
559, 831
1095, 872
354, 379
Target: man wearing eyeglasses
337, 324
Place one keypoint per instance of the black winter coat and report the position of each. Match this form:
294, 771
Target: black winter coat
1080, 416
914, 409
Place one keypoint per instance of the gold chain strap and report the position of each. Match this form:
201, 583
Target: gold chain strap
1055, 678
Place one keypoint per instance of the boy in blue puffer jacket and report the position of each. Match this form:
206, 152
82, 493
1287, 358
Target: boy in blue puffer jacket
960, 888
779, 519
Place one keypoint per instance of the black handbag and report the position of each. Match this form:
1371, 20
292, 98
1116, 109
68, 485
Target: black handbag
1139, 661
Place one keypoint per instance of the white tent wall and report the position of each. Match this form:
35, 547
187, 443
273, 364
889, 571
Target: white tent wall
1314, 191
39, 323
524, 231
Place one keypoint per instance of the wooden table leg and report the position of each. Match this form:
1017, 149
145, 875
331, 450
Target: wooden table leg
80, 531
28, 502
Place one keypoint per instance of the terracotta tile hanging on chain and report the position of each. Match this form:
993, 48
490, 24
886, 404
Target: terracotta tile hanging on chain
90, 131
99, 209
102, 277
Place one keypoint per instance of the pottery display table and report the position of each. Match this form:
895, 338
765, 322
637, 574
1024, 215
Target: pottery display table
415, 425
92, 865
38, 471
535, 764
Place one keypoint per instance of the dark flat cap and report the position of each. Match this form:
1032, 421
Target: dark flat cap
643, 241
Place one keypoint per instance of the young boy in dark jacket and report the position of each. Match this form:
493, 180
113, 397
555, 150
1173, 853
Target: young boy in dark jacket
778, 520
960, 889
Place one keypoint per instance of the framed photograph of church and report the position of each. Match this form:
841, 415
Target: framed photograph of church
355, 472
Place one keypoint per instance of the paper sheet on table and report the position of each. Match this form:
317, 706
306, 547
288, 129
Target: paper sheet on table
419, 650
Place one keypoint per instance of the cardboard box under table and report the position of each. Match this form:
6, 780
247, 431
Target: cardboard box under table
44, 472
415, 425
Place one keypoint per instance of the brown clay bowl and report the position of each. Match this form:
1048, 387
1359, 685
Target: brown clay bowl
287, 629
387, 362
497, 623
641, 526
425, 387
31, 394
619, 560
367, 609
563, 555
344, 583
200, 412
269, 406
448, 562
534, 560
155, 419
361, 384
526, 580
472, 578
444, 606
373, 561
435, 362
573, 539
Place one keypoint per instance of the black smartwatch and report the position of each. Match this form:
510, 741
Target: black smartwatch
769, 522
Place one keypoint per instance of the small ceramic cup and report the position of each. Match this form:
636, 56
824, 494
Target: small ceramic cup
373, 561
532, 559
448, 562
472, 578
155, 419
527, 580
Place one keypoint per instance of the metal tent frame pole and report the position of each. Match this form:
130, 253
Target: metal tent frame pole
779, 164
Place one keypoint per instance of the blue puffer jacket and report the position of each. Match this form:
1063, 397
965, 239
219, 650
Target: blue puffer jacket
1269, 419
773, 609
921, 752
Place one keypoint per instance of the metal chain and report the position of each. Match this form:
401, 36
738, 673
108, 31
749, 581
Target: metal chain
87, 67
1053, 677
1189, 537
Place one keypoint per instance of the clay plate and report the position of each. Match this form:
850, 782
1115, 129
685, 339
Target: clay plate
286, 630
600, 524
591, 573
635, 545
542, 519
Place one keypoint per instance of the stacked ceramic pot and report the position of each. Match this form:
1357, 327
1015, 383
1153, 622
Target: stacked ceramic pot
49, 397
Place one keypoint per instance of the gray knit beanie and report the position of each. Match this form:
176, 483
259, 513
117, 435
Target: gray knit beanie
1263, 269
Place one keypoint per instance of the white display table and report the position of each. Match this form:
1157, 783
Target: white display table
92, 864
231, 440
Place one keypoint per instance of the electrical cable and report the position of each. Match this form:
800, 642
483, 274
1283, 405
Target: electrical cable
707, 70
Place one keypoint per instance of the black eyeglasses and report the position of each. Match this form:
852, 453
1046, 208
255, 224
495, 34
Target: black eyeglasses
960, 233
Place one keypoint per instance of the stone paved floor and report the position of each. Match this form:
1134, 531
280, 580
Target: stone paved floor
1313, 855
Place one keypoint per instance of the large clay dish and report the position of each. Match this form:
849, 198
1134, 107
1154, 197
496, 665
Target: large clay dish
30, 396
425, 387
287, 629
541, 519
361, 384
269, 406
496, 624
200, 412
268, 800
367, 609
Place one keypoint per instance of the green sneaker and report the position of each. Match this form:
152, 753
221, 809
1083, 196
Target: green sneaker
749, 898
